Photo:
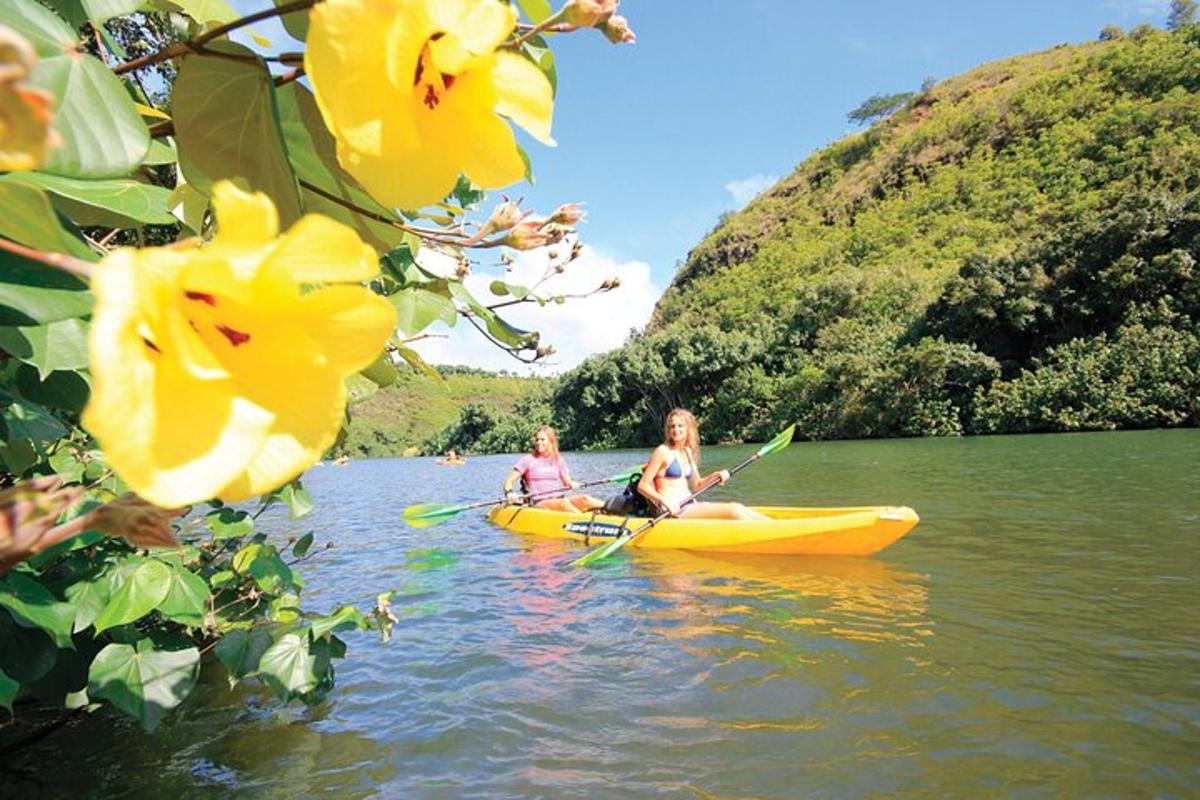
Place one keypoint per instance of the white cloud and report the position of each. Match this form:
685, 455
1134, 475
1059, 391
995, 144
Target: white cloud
576, 329
746, 189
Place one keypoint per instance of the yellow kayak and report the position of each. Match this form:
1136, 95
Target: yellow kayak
790, 531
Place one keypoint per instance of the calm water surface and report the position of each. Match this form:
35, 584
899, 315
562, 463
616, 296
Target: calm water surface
1037, 635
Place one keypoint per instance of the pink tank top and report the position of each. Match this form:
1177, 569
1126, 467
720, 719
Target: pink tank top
541, 474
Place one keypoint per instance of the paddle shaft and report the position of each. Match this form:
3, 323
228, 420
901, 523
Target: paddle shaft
621, 541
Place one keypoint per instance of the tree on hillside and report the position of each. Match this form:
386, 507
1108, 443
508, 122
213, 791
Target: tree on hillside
878, 106
1110, 33
1183, 14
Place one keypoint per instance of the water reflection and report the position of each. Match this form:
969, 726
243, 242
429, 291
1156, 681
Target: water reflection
859, 599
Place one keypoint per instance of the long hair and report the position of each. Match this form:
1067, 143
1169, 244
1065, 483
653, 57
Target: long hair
552, 437
691, 442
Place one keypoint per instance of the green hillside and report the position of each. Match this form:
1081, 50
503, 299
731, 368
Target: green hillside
413, 411
1013, 250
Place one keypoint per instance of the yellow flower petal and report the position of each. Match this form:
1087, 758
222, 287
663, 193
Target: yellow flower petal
173, 438
471, 29
244, 219
407, 33
350, 325
306, 427
319, 250
525, 95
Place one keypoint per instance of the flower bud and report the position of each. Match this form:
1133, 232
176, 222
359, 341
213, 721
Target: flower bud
617, 29
25, 132
134, 519
504, 217
17, 56
545, 352
527, 234
588, 13
463, 269
568, 214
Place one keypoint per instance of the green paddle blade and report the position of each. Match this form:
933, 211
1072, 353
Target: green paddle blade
621, 477
778, 443
603, 551
424, 515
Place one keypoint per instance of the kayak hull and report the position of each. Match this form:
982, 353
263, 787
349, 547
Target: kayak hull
858, 531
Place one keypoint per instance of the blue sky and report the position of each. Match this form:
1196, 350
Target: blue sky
715, 102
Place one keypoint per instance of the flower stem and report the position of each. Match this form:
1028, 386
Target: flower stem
197, 45
75, 266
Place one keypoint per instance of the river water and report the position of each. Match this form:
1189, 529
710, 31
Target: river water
1036, 635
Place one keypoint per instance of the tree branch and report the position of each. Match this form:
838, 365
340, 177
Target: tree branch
75, 266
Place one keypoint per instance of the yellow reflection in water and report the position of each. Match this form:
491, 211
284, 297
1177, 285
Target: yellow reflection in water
761, 598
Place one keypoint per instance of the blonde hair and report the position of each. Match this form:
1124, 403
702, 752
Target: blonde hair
691, 442
552, 437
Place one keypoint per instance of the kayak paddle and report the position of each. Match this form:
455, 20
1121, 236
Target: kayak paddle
424, 515
605, 550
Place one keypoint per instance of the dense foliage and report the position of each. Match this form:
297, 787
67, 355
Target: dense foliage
203, 260
1014, 250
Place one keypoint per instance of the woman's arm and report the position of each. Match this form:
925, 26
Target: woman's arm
658, 460
509, 482
564, 474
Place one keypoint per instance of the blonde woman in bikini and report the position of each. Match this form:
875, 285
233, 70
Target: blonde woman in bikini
673, 474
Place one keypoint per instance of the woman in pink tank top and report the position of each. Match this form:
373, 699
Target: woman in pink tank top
544, 470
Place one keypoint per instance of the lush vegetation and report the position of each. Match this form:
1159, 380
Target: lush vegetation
413, 415
1013, 250
203, 260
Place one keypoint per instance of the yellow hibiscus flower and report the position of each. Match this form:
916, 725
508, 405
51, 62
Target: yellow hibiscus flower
218, 370
25, 133
411, 90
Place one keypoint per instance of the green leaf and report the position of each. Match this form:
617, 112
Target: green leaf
50, 347
103, 134
270, 572
26, 654
187, 598
222, 578
285, 608
114, 203
162, 151
498, 288
188, 206
204, 12
89, 598
67, 390
381, 372
241, 651
417, 309
243, 558
290, 668
295, 23
536, 10
296, 497
8, 690
31, 293
414, 360
100, 10
24, 420
215, 144
537, 51
144, 683
48, 34
302, 544
344, 618
30, 219
228, 523
68, 675
33, 606
141, 592
359, 389
312, 151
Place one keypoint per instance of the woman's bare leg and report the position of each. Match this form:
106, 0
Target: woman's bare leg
557, 504
721, 511
585, 502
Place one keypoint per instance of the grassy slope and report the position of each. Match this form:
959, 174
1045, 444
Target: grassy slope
416, 407
978, 165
